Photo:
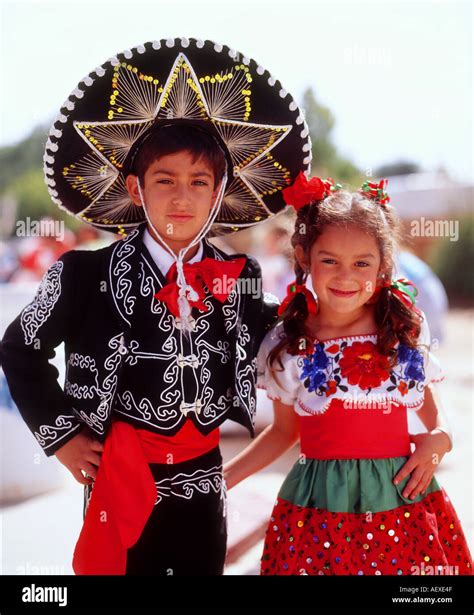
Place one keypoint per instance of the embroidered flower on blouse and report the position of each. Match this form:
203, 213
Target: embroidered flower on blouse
332, 366
313, 373
413, 360
363, 365
332, 388
403, 387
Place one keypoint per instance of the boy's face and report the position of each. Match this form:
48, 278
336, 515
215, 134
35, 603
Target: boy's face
178, 194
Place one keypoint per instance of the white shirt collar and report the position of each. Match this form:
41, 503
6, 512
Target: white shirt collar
162, 257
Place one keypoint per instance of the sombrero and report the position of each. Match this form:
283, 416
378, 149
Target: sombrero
93, 139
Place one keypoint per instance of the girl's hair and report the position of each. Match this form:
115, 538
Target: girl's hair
395, 321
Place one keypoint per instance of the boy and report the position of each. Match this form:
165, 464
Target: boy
161, 329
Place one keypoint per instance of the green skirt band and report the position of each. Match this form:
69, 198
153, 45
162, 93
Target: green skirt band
349, 485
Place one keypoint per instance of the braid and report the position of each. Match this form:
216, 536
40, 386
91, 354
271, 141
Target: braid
297, 336
395, 323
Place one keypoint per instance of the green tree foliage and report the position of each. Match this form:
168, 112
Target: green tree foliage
21, 177
33, 200
22, 157
452, 261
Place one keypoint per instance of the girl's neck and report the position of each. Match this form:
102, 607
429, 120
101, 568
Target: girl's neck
327, 323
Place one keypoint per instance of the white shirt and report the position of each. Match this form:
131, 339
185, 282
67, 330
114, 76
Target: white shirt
162, 257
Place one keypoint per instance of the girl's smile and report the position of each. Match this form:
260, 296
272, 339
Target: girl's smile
343, 293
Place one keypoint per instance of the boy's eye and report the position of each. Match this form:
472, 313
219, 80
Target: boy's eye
199, 182
163, 181
329, 261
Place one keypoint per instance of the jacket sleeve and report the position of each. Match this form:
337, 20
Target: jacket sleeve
26, 349
264, 306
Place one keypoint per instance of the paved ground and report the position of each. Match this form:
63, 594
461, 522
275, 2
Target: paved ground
38, 535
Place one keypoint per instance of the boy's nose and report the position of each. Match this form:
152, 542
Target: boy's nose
181, 196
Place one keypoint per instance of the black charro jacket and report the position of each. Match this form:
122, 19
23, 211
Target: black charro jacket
125, 353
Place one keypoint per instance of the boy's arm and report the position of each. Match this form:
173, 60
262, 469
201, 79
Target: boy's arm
25, 351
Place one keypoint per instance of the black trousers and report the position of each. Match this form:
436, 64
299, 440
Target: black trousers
186, 533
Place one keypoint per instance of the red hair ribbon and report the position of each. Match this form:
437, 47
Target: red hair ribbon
376, 191
401, 289
302, 192
292, 290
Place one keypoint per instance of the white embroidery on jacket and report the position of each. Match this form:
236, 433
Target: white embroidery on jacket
120, 284
47, 435
105, 390
39, 310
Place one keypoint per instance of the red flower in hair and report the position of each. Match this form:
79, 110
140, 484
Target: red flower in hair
376, 191
302, 192
363, 365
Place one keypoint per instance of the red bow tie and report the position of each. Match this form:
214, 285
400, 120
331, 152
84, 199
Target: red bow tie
220, 278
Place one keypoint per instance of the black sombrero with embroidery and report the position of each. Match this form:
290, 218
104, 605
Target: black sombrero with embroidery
93, 139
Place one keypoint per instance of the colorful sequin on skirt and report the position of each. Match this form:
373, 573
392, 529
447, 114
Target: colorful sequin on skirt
423, 538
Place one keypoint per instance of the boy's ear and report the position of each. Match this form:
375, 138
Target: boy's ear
301, 258
131, 182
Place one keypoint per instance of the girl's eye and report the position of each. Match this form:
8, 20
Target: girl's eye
362, 264
329, 261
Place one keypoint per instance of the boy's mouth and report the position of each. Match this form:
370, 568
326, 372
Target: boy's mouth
180, 217
343, 293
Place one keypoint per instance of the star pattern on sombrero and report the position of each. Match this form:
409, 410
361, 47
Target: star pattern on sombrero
137, 100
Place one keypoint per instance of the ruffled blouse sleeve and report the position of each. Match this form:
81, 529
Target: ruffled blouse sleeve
280, 383
433, 370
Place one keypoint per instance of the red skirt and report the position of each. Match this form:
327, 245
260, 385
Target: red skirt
340, 513
424, 538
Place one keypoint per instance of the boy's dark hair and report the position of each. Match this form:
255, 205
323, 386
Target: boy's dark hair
179, 138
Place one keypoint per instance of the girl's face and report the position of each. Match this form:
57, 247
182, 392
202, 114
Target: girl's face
344, 264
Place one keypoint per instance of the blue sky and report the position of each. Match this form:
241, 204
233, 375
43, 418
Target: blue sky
396, 75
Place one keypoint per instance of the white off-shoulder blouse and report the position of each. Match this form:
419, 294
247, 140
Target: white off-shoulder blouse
348, 368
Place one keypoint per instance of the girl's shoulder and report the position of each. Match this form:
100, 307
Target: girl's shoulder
274, 335
280, 378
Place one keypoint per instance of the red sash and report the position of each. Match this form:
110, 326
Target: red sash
124, 492
351, 431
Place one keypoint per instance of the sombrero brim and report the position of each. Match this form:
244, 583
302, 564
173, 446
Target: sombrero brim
260, 125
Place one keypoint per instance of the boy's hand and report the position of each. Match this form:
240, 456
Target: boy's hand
81, 453
430, 449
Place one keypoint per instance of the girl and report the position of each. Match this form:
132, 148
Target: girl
342, 372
